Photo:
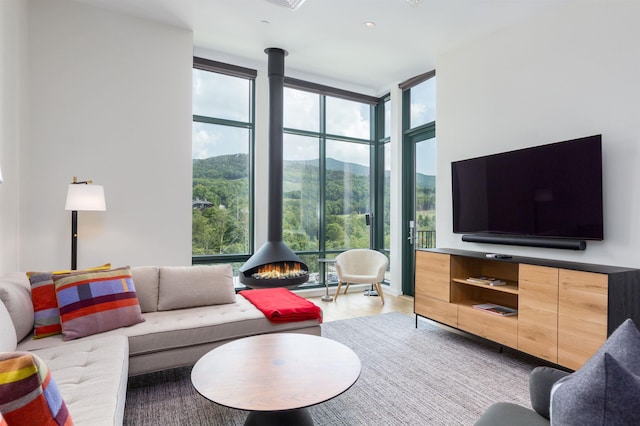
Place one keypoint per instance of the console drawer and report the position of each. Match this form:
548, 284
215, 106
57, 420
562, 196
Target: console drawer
446, 313
503, 330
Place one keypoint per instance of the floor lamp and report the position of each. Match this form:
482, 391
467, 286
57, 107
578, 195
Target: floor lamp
82, 196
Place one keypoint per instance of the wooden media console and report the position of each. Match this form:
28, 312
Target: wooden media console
565, 310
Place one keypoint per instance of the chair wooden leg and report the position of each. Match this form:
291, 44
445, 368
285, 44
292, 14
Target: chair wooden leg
335, 296
346, 288
379, 290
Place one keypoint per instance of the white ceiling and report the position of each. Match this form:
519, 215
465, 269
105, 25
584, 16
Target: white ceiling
327, 38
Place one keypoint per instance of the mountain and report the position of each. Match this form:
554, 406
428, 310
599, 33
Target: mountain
356, 169
235, 166
333, 165
426, 181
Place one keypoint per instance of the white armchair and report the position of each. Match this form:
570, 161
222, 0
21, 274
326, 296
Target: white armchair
361, 266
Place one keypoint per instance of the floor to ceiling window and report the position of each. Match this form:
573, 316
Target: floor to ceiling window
384, 174
222, 141
422, 122
422, 126
329, 171
419, 172
328, 149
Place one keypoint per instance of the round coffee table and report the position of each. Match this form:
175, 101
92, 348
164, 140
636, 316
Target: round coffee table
276, 376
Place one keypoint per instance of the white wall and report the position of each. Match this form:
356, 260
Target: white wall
109, 100
558, 77
13, 36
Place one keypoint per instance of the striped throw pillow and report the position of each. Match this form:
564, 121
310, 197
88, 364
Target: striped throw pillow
28, 393
45, 305
93, 302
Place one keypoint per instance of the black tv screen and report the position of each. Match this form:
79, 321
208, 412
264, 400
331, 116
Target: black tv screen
550, 191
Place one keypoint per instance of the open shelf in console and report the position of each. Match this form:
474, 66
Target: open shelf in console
509, 287
468, 293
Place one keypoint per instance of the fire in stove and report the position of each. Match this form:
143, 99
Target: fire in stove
282, 271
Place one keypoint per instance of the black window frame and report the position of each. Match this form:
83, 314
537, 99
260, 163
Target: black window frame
248, 74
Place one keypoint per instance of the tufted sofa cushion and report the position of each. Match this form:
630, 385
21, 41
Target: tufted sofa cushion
8, 340
15, 293
92, 378
188, 286
146, 282
179, 337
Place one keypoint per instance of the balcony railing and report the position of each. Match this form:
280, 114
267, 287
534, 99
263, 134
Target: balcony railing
425, 239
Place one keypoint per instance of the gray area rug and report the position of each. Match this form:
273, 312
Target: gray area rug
424, 376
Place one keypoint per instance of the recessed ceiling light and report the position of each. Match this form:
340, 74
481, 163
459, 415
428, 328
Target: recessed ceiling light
369, 24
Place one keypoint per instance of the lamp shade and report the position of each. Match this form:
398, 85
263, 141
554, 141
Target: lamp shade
81, 197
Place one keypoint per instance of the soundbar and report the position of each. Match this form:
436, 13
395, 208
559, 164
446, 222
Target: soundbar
526, 241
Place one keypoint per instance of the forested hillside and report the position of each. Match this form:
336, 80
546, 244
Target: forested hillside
222, 227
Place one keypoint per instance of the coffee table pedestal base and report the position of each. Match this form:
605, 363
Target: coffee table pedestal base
297, 417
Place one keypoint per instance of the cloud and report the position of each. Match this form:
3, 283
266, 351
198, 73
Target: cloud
348, 118
220, 96
343, 118
423, 103
301, 110
211, 140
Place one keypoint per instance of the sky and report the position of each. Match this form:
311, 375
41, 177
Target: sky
221, 96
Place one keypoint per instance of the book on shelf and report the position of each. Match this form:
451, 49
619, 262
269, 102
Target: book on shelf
496, 309
486, 280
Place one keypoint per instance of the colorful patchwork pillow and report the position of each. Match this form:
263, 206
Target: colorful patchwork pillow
93, 302
28, 393
45, 304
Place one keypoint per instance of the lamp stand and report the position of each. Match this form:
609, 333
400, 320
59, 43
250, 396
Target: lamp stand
74, 239
82, 196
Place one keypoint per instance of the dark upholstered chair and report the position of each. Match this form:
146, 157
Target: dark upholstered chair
604, 391
541, 381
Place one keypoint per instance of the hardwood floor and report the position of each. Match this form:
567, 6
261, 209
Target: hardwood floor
356, 304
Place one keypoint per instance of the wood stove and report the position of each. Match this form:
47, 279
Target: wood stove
275, 264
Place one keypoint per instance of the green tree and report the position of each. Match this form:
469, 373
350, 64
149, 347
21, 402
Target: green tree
335, 236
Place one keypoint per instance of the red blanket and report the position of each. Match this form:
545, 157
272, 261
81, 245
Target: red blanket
281, 305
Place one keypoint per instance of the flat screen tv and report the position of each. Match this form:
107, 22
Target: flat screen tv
550, 191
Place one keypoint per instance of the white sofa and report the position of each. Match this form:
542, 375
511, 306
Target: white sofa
91, 372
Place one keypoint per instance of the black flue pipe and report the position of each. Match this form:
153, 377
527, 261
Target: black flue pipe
276, 126
274, 251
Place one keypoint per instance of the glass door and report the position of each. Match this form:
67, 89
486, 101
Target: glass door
419, 209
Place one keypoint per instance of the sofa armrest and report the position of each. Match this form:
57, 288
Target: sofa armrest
541, 381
